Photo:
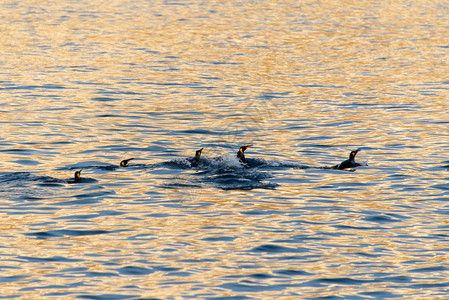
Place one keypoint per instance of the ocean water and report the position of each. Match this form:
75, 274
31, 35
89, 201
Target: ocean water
86, 84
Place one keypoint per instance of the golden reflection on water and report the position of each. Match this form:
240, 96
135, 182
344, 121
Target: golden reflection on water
216, 60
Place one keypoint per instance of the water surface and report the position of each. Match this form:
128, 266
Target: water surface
84, 85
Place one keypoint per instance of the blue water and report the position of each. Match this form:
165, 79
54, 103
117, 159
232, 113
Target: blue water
84, 86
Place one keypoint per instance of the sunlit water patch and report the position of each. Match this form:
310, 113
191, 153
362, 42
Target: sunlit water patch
85, 86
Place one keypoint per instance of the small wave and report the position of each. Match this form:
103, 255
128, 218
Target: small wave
291, 273
337, 281
47, 259
245, 185
431, 269
107, 297
133, 270
85, 180
90, 165
21, 177
181, 184
443, 186
7, 279
220, 239
182, 163
15, 176
252, 287
63, 233
270, 248
381, 219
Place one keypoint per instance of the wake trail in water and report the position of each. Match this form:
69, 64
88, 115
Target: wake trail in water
223, 172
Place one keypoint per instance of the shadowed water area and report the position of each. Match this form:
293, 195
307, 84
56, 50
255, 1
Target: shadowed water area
86, 84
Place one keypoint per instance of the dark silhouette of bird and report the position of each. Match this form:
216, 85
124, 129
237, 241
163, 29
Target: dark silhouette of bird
77, 177
124, 163
350, 162
241, 154
194, 161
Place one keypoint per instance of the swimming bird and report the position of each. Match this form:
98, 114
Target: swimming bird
350, 162
240, 153
124, 163
196, 159
77, 178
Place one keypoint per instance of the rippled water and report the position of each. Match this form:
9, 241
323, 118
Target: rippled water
85, 84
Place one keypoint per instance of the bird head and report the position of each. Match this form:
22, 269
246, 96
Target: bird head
243, 148
124, 163
353, 153
198, 152
78, 175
